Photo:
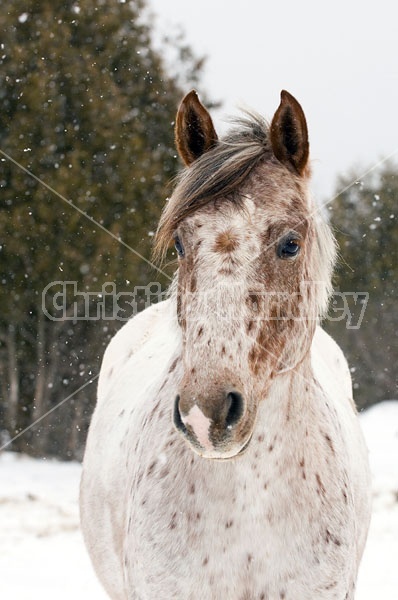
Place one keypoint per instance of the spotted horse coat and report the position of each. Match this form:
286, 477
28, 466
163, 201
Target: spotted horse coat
224, 459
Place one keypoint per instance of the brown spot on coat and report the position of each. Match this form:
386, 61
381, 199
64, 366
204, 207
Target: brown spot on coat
154, 410
226, 242
320, 487
164, 472
329, 442
163, 384
253, 301
180, 318
151, 468
173, 522
259, 352
253, 363
173, 365
289, 404
249, 326
329, 537
225, 271
193, 283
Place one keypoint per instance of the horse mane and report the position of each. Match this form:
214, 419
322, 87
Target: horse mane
218, 172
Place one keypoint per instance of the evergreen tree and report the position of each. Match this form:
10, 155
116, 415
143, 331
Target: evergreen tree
366, 225
87, 106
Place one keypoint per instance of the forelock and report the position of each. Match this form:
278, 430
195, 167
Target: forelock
217, 173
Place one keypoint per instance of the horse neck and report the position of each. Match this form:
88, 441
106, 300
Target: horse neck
291, 395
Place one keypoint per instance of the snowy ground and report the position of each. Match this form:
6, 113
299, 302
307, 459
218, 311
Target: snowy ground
42, 556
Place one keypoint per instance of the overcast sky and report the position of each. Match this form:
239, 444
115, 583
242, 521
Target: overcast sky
339, 59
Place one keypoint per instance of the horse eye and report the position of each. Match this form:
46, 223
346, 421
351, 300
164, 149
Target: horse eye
179, 247
288, 248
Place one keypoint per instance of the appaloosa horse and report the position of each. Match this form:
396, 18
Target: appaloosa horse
224, 459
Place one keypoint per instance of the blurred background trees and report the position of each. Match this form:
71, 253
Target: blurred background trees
87, 105
365, 220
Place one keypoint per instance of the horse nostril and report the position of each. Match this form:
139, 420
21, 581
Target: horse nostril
234, 408
177, 416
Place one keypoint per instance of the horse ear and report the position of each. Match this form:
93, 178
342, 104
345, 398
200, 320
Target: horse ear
194, 129
289, 134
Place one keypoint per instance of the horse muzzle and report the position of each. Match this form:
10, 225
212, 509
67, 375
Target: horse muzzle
217, 427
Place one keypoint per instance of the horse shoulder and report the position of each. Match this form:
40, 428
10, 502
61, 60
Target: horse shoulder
129, 340
332, 373
331, 368
104, 479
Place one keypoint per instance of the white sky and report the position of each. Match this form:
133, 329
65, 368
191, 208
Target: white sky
340, 60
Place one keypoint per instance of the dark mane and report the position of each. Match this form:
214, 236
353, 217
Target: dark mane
218, 172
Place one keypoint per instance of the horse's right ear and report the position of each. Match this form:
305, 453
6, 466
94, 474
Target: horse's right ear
194, 129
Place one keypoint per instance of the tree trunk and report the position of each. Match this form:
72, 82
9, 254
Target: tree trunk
13, 382
39, 400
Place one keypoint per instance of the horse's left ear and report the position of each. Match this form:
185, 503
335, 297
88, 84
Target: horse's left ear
289, 134
194, 129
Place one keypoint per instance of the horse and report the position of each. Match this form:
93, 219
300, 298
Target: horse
225, 460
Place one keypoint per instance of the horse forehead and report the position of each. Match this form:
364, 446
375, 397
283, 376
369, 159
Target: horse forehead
227, 218
265, 202
231, 229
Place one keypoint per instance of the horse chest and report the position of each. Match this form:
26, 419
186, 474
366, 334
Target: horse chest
252, 526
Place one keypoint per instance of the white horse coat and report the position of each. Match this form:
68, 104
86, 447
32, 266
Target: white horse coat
154, 514
260, 488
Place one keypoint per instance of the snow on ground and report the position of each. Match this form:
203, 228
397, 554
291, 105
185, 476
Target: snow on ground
378, 575
42, 555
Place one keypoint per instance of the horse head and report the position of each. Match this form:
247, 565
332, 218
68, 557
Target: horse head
254, 268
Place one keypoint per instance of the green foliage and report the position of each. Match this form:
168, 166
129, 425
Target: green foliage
86, 105
365, 218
